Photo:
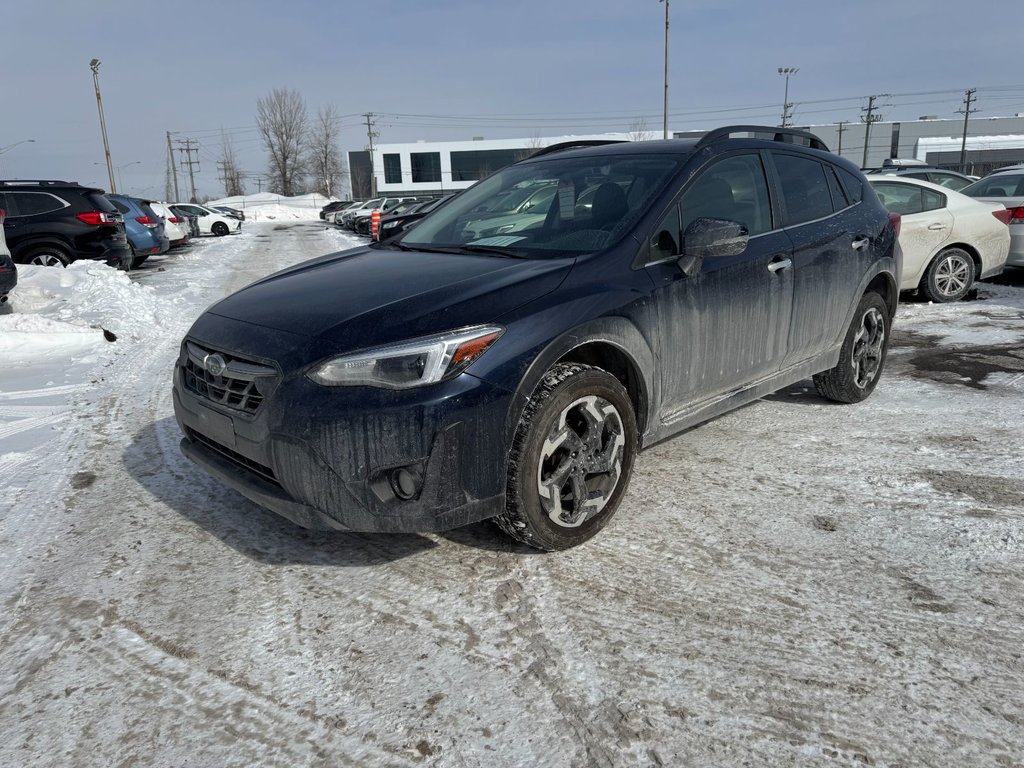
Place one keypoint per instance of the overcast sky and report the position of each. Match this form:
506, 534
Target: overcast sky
455, 69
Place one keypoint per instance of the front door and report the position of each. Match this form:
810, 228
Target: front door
726, 326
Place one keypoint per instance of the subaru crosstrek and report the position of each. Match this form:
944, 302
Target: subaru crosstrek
433, 380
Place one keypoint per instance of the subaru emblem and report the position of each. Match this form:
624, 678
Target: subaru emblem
215, 364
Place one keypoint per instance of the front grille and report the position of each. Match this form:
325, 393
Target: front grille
237, 383
234, 457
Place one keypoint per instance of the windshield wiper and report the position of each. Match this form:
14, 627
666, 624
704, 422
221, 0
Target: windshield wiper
497, 250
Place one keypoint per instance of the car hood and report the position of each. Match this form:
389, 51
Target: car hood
365, 296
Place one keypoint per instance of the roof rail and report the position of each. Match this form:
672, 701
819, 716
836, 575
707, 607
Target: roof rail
40, 182
784, 135
574, 144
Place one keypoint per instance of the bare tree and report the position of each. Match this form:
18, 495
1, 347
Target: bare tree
535, 142
324, 159
282, 122
638, 130
231, 174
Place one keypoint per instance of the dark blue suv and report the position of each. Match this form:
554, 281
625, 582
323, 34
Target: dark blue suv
444, 377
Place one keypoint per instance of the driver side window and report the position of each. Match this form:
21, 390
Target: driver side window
734, 189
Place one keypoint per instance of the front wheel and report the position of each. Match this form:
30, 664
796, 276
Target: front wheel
949, 277
862, 356
571, 458
220, 228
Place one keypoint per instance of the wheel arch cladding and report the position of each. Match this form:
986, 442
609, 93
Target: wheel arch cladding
971, 251
885, 286
612, 343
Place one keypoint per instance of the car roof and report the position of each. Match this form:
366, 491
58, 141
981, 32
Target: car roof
892, 178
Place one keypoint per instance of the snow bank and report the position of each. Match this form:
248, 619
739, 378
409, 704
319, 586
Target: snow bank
265, 206
62, 312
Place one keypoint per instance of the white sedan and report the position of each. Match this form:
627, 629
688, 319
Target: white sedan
949, 240
210, 222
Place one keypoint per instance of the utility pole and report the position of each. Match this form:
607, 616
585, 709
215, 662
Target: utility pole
870, 117
664, 129
371, 134
842, 127
174, 168
222, 175
966, 112
190, 146
787, 105
94, 65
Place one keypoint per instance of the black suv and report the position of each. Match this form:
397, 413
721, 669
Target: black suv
436, 380
53, 223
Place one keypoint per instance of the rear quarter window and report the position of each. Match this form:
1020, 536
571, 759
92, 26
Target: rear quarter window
853, 185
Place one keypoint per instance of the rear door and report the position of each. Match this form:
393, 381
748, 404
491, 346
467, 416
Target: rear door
831, 243
926, 224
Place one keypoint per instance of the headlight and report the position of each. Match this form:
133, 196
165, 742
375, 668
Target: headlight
408, 364
389, 225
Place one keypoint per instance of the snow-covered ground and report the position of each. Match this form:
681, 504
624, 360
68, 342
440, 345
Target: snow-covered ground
795, 583
266, 206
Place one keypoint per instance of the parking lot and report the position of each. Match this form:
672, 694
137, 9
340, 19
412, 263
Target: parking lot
797, 582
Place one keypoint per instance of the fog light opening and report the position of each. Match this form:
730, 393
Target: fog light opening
406, 483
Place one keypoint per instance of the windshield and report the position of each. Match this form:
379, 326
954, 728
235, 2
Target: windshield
549, 207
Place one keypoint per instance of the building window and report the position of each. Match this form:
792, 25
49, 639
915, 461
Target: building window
426, 167
480, 163
393, 169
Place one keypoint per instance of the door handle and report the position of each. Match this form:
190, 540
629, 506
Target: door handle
861, 242
781, 264
936, 226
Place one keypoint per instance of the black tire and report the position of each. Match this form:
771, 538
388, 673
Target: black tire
47, 256
863, 354
949, 277
579, 433
219, 228
137, 261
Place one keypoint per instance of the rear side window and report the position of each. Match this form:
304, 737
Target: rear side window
120, 206
146, 209
805, 193
839, 198
33, 203
906, 199
853, 185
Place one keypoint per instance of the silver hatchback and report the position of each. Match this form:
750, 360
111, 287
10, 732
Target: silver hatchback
1006, 187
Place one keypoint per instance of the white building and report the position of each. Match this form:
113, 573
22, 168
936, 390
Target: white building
439, 167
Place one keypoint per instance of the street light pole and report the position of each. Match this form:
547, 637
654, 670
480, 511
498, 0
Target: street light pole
94, 65
120, 181
664, 129
12, 146
786, 106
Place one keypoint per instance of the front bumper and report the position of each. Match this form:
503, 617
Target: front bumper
324, 457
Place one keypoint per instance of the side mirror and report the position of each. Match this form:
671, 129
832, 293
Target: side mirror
711, 238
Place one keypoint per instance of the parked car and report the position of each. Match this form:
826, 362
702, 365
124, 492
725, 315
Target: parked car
361, 224
949, 239
210, 222
233, 213
8, 272
145, 228
53, 223
175, 227
432, 381
920, 170
1006, 187
383, 204
190, 219
333, 206
334, 217
394, 224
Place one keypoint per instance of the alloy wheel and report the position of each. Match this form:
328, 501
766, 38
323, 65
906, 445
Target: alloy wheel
952, 275
581, 461
868, 347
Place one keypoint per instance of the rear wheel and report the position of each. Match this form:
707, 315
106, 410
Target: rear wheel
48, 256
220, 228
862, 356
571, 458
949, 277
